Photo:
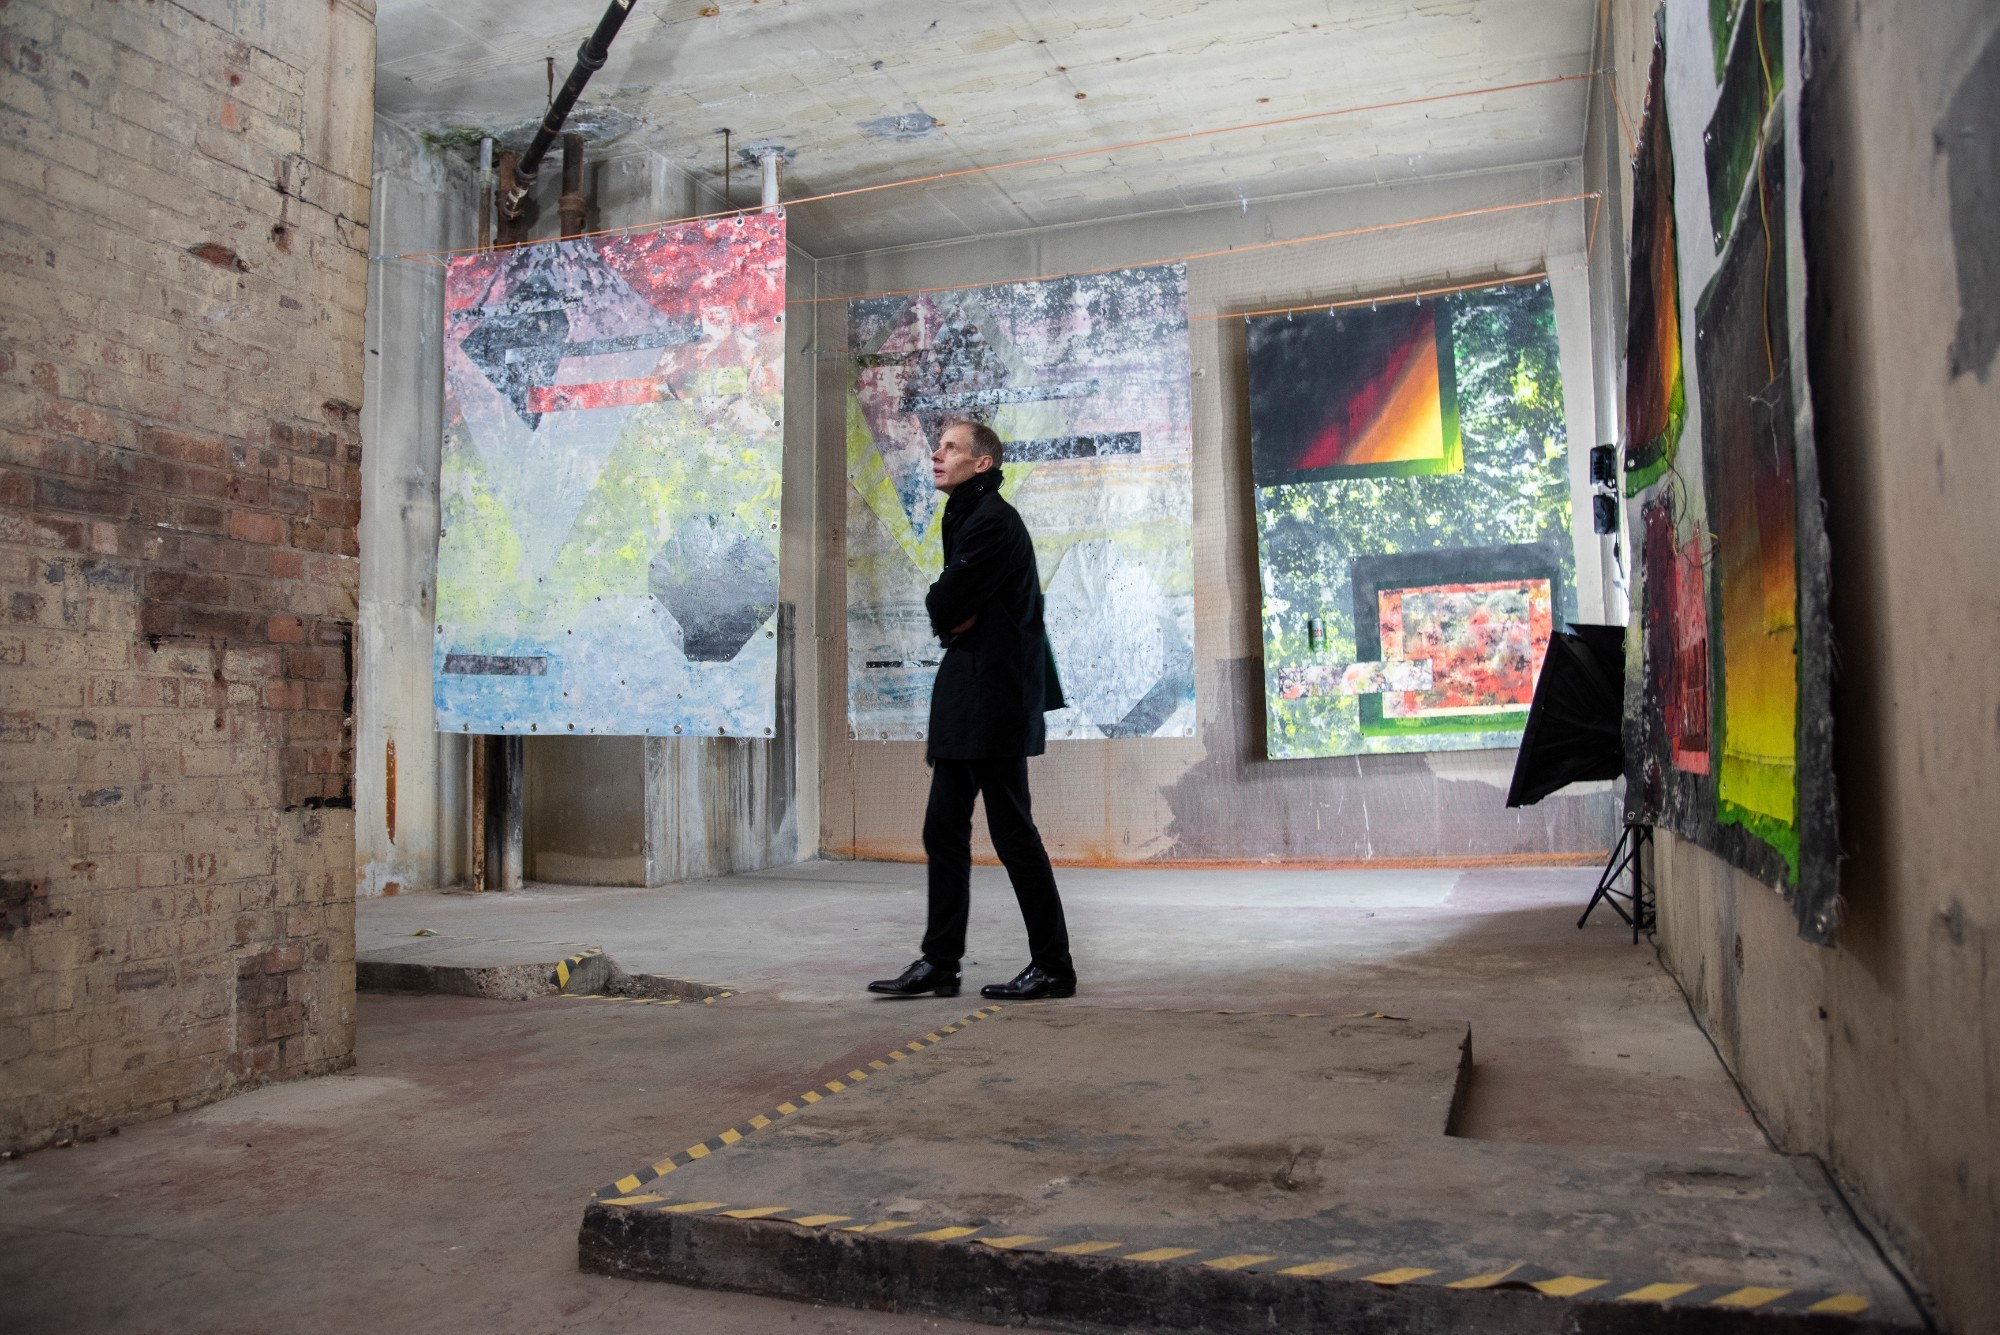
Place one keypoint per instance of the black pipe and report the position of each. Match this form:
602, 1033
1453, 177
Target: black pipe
590, 58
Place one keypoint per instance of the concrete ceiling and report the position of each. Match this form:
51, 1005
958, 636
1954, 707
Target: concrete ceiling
865, 91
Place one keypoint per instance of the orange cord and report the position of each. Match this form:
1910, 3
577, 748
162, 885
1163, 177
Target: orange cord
1205, 254
1390, 297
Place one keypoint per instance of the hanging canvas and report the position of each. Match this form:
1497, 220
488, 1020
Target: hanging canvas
1655, 385
1752, 504
1409, 592
1674, 622
1086, 381
1728, 701
1752, 80
608, 554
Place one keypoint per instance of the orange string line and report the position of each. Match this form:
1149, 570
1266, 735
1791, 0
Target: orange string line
1206, 254
1473, 285
1418, 295
1027, 162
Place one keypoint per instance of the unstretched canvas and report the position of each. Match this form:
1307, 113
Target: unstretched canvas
1729, 715
1410, 610
608, 552
1655, 384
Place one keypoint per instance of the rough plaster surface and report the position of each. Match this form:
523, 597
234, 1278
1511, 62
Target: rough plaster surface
420, 200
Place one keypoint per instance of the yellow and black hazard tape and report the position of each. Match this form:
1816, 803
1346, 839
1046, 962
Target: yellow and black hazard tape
649, 1001
502, 940
565, 967
1288, 1015
621, 1191
1350, 1266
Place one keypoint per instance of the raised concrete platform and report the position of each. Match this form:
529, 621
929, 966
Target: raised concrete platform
1085, 1168
512, 969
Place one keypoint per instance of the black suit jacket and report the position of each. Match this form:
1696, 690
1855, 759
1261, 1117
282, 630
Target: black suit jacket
992, 685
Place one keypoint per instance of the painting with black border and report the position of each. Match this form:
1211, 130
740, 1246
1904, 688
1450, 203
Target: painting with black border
1729, 710
1413, 519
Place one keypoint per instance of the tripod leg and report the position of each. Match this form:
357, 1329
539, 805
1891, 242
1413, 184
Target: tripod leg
1621, 854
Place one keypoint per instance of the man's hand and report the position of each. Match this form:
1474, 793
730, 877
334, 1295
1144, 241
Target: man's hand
960, 630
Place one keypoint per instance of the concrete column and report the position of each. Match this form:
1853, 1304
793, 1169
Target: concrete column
769, 161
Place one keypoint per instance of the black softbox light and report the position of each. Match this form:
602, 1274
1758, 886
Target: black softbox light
1575, 730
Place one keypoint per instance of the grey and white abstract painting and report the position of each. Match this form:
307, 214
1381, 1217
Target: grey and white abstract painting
1086, 379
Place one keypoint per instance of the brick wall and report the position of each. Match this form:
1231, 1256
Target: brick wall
183, 268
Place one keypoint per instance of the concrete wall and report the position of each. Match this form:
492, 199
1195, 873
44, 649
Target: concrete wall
183, 231
1213, 797
1882, 1053
599, 810
410, 829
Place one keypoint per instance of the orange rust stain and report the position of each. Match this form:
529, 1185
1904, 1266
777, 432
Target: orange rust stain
389, 791
902, 853
392, 887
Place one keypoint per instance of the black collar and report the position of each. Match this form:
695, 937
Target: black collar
968, 493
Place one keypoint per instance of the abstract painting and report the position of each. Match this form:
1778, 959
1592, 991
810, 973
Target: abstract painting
1410, 611
1477, 621
1728, 700
609, 484
1721, 22
1353, 393
1751, 82
1675, 622
1655, 384
1752, 501
1085, 379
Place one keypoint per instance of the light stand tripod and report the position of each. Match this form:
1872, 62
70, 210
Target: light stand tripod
1639, 900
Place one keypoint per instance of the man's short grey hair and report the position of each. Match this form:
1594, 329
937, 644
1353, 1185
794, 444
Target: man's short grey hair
985, 440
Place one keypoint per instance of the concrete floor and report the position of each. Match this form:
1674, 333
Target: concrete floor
439, 1185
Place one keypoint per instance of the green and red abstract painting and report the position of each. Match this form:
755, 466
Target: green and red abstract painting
1413, 520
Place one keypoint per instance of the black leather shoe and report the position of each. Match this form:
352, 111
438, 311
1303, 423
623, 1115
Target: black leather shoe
919, 978
1031, 984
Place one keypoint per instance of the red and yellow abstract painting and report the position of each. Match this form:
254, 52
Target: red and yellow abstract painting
1353, 393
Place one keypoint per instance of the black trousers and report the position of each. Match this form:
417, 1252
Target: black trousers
948, 843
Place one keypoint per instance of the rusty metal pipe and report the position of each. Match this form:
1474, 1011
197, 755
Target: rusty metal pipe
573, 207
590, 58
504, 225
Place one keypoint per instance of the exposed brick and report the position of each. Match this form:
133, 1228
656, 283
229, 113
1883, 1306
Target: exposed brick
285, 957
195, 447
108, 502
177, 450
253, 526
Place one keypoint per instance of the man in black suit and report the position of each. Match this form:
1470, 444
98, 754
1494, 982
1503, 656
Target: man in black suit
996, 680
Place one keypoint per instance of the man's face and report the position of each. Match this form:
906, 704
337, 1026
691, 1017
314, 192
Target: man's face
953, 461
